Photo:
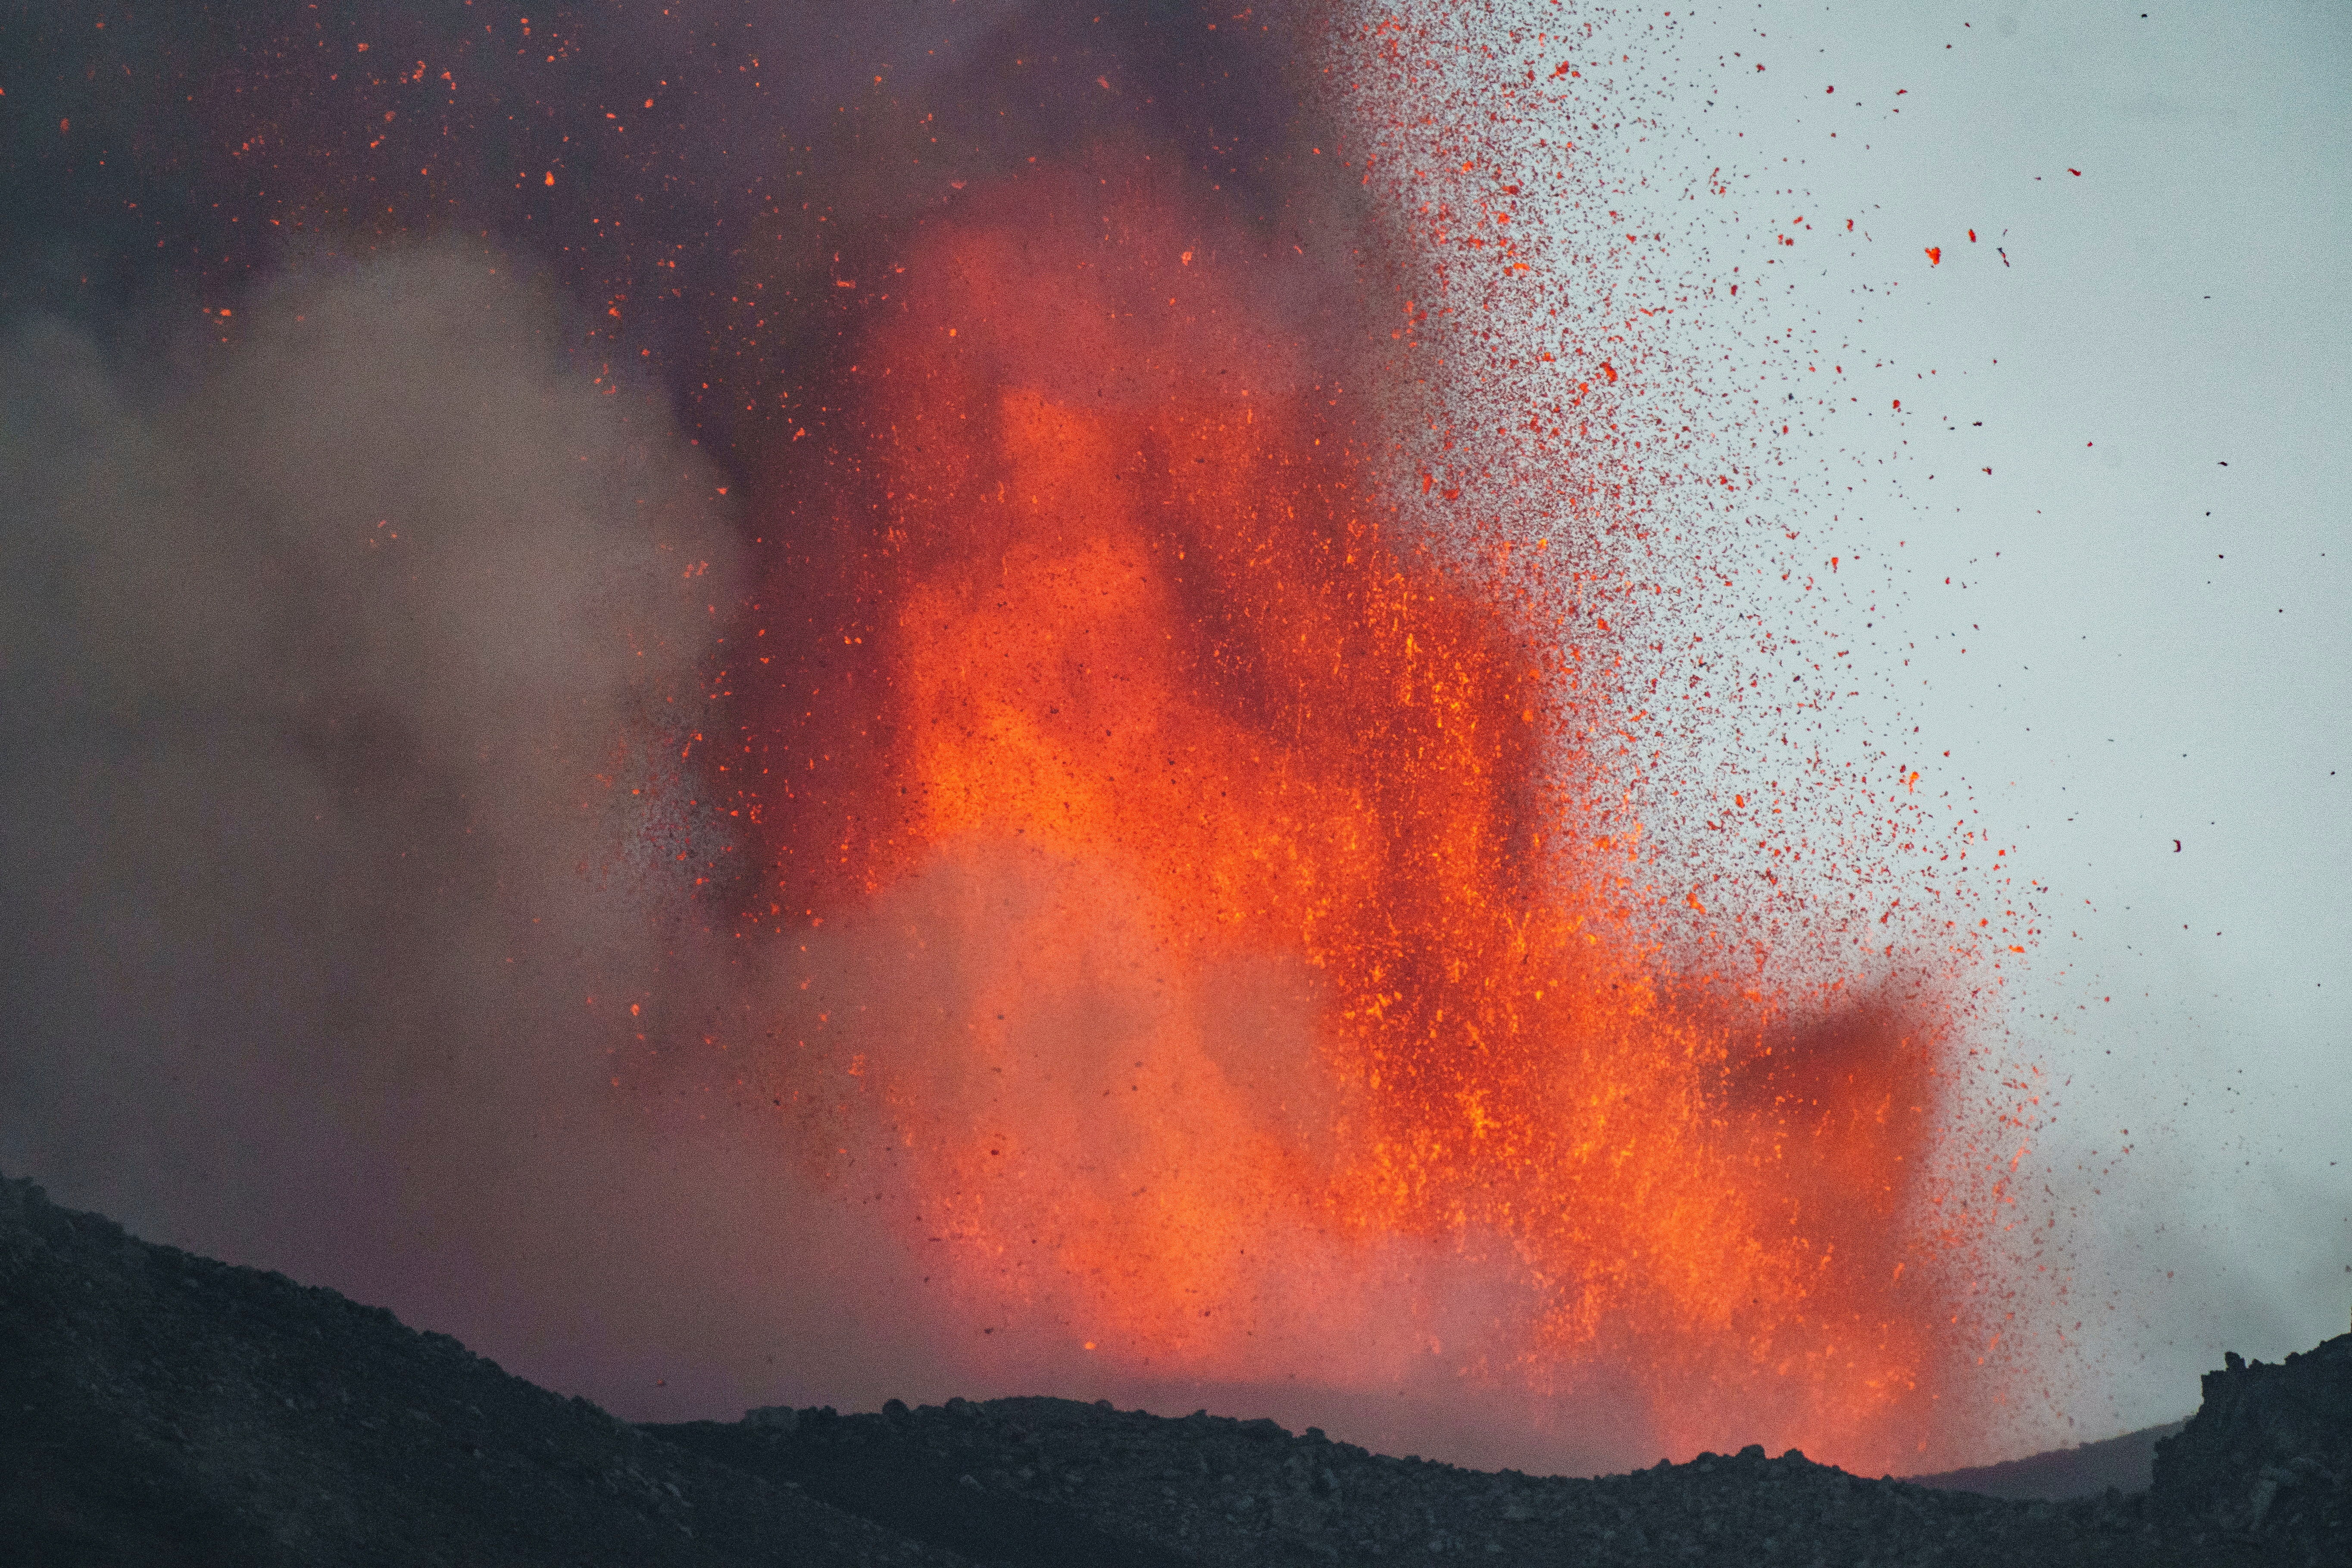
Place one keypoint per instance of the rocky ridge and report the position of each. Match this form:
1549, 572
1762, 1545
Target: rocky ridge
2269, 1452
163, 1408
157, 1407
1215, 1490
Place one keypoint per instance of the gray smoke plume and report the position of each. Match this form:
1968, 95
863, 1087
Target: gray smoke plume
342, 651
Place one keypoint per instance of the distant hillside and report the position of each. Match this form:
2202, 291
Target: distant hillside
2126, 1463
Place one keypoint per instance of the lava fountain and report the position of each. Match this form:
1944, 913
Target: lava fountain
1193, 937
1194, 906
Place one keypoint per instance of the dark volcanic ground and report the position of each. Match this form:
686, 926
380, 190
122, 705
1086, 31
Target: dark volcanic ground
158, 1407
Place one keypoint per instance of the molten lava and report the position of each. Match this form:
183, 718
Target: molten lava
1202, 943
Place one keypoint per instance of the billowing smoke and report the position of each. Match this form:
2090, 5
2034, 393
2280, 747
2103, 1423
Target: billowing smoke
364, 587
335, 661
354, 673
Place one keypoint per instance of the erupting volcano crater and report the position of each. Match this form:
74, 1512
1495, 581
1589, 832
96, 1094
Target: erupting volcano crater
1185, 915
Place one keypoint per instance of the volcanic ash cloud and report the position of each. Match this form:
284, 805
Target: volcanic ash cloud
342, 655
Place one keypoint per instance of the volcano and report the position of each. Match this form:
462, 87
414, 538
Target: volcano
167, 1409
1004, 696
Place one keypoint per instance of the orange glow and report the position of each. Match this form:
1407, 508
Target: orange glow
1290, 957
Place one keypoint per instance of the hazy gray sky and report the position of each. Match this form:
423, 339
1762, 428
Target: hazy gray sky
2146, 636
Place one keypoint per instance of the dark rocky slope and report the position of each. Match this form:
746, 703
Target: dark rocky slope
1215, 1490
160, 1408
2270, 1450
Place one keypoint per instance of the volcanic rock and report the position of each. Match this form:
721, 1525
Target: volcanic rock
162, 1408
2269, 1451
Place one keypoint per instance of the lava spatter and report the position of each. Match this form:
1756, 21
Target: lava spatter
1230, 958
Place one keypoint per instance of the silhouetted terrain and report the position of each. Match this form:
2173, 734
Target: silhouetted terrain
165, 1408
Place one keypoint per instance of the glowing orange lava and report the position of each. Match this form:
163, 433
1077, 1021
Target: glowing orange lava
1248, 980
